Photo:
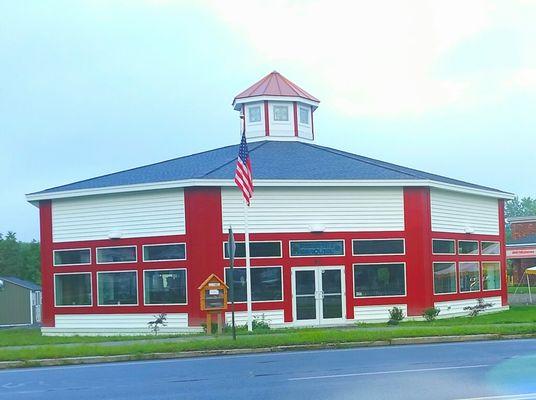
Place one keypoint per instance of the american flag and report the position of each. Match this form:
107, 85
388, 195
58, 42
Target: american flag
243, 176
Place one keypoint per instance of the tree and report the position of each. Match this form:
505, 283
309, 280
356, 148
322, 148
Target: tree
20, 259
524, 207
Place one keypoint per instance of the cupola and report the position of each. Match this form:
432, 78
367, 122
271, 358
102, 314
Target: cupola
275, 108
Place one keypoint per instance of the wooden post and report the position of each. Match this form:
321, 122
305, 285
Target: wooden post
220, 326
209, 323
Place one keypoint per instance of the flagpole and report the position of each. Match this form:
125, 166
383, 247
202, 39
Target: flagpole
248, 269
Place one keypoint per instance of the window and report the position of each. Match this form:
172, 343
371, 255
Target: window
72, 289
491, 275
280, 113
164, 252
117, 288
467, 247
315, 248
254, 114
378, 246
444, 277
165, 286
371, 280
116, 254
266, 283
72, 257
256, 249
491, 248
443, 246
304, 116
469, 277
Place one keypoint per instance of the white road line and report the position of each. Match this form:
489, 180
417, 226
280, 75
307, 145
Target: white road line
525, 396
401, 371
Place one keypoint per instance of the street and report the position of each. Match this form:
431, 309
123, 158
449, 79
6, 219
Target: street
493, 369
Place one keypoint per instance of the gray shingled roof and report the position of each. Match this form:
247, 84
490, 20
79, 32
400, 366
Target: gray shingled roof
21, 282
271, 160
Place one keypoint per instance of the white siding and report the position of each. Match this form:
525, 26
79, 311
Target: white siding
297, 209
272, 317
372, 314
115, 324
456, 307
154, 213
454, 212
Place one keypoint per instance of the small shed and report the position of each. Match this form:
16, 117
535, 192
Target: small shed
20, 302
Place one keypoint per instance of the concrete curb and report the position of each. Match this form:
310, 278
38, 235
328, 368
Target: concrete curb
300, 347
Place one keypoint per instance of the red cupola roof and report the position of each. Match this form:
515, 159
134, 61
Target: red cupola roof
275, 84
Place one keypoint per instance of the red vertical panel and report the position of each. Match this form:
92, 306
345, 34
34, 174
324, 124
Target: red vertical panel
419, 277
349, 278
266, 119
502, 235
295, 107
47, 277
203, 238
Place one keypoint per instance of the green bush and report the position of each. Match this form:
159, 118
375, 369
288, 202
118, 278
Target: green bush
395, 316
430, 314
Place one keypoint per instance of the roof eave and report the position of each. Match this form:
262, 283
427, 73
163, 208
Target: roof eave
34, 198
238, 101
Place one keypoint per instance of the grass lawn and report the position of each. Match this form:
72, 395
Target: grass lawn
517, 320
521, 290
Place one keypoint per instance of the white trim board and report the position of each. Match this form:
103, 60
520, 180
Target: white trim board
34, 197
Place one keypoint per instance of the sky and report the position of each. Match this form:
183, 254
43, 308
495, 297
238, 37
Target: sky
89, 87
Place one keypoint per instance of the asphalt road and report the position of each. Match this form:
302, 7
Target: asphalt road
487, 370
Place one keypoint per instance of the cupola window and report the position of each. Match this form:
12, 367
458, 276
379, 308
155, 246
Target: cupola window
254, 114
280, 113
304, 116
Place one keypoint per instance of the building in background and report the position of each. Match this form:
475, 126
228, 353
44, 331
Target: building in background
521, 248
335, 237
20, 302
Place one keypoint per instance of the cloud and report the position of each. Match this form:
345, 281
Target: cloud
376, 58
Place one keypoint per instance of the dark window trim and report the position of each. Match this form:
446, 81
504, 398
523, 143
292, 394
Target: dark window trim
445, 254
318, 255
163, 244
165, 269
115, 247
63, 265
380, 263
119, 305
75, 273
379, 254
255, 241
256, 267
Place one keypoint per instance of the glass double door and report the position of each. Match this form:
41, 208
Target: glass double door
318, 295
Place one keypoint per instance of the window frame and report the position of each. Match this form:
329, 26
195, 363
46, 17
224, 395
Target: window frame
255, 267
317, 255
455, 277
163, 244
115, 247
379, 254
67, 265
248, 108
467, 254
380, 263
119, 305
254, 241
479, 277
281, 121
308, 109
74, 273
165, 269
482, 275
490, 241
445, 254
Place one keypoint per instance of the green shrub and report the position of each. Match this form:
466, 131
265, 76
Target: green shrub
430, 314
395, 316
